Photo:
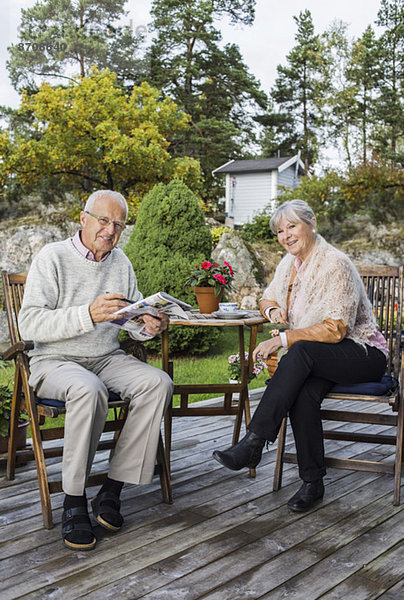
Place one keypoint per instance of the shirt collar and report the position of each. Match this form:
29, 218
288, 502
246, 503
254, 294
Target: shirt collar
84, 251
298, 263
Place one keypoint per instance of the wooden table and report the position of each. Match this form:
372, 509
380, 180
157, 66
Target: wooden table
253, 320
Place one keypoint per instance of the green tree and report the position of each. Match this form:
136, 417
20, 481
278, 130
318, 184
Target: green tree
280, 134
362, 73
341, 101
93, 135
321, 192
300, 91
212, 84
56, 35
375, 189
389, 137
169, 238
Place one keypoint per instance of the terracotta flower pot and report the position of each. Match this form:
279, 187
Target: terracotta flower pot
207, 301
21, 438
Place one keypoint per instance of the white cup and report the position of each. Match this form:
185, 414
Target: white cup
228, 307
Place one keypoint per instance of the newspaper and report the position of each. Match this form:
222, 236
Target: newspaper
159, 302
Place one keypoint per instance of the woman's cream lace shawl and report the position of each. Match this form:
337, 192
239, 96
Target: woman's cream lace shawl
327, 285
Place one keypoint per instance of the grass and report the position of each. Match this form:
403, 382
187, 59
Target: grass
6, 374
213, 367
208, 369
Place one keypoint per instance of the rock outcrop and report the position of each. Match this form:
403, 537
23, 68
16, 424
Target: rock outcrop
19, 246
367, 243
249, 275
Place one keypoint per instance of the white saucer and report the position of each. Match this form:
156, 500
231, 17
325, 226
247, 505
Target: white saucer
240, 314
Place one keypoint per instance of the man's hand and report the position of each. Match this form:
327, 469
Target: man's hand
265, 349
105, 305
153, 325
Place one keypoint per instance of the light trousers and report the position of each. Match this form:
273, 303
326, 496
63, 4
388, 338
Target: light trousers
83, 384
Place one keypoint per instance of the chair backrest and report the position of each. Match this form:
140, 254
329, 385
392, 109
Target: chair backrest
384, 287
13, 289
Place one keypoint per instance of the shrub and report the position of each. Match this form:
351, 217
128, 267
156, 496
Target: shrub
258, 229
169, 238
6, 398
217, 233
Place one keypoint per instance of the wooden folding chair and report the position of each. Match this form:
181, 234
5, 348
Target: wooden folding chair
384, 286
24, 397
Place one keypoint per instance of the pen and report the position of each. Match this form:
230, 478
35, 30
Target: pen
125, 299
133, 302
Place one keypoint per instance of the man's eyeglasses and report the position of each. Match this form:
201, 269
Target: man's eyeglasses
104, 221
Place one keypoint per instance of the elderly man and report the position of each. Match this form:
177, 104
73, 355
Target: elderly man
74, 288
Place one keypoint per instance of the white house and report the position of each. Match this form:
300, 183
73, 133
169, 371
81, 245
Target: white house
253, 184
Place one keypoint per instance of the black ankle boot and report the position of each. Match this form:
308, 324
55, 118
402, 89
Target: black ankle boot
246, 453
307, 495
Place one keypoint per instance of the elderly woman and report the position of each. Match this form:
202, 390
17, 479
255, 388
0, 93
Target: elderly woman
331, 338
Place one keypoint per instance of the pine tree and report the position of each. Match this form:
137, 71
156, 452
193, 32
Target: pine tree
390, 80
362, 73
300, 90
60, 38
341, 101
212, 84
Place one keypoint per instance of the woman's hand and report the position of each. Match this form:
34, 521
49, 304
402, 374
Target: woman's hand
265, 349
279, 315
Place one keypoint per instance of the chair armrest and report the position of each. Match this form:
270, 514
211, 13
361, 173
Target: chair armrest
15, 349
135, 348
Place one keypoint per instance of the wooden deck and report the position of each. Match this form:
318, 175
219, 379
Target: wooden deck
225, 537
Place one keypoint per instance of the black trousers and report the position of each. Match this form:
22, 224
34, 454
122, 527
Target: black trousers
303, 377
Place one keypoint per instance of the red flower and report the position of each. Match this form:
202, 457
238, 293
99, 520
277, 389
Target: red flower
220, 278
206, 265
210, 274
230, 269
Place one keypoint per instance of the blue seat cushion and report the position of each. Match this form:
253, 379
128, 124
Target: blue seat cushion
113, 397
369, 388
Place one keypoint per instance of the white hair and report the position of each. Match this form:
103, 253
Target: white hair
100, 193
294, 211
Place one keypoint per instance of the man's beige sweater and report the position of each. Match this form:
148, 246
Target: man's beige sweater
61, 285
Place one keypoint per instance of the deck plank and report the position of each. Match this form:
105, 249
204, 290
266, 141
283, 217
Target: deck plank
225, 536
373, 579
394, 593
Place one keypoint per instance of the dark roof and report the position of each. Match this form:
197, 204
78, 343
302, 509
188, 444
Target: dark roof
261, 164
